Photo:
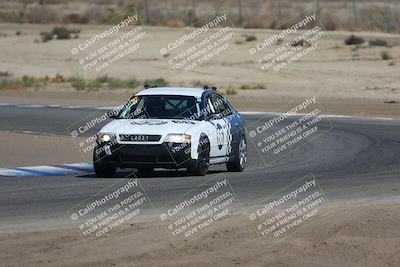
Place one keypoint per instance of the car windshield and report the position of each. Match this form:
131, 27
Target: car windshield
161, 107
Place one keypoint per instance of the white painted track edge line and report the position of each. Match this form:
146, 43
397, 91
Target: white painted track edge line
241, 112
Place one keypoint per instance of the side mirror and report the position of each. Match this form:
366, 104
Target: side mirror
214, 116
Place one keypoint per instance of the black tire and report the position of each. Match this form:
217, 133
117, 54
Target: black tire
104, 171
101, 169
200, 166
238, 163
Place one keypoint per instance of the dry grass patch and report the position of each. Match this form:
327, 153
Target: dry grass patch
255, 86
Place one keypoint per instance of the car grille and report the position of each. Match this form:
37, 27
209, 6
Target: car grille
139, 138
146, 159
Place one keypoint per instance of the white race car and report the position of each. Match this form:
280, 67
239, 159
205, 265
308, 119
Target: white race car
172, 128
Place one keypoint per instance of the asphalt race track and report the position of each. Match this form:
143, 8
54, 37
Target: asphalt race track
357, 161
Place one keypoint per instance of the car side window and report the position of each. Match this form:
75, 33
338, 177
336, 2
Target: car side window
210, 106
233, 110
219, 103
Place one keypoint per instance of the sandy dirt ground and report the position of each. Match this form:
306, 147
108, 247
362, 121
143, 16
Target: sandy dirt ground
43, 150
351, 107
346, 81
348, 236
334, 71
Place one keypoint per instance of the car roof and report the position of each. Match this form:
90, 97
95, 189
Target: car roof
196, 92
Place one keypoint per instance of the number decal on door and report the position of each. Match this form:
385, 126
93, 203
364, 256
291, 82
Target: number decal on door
220, 136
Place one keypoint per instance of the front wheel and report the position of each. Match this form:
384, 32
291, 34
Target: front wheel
200, 166
101, 169
104, 171
238, 163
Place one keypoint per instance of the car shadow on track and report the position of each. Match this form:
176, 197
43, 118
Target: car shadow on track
155, 174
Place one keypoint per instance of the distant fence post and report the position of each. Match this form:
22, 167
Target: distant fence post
43, 11
97, 9
193, 18
146, 11
240, 22
317, 8
354, 7
387, 16
279, 9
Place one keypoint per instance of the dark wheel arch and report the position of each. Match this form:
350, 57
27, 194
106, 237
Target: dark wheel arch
101, 168
200, 166
238, 158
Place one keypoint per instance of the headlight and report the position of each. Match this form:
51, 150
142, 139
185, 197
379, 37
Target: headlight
178, 138
105, 137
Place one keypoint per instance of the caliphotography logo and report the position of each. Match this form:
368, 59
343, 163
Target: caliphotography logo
199, 133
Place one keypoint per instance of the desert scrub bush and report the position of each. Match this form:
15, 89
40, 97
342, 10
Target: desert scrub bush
93, 84
77, 82
353, 40
385, 55
132, 83
230, 91
250, 38
63, 33
159, 82
10, 83
377, 42
176, 23
58, 79
4, 73
116, 83
100, 82
46, 36
28, 81
301, 42
60, 33
257, 86
7, 83
103, 79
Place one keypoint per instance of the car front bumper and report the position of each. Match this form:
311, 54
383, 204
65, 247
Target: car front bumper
166, 155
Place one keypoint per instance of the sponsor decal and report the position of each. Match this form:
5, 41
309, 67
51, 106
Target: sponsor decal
220, 136
183, 122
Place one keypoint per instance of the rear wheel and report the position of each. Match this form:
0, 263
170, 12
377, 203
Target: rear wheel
238, 163
202, 163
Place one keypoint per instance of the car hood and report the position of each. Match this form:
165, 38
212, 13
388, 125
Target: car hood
148, 126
